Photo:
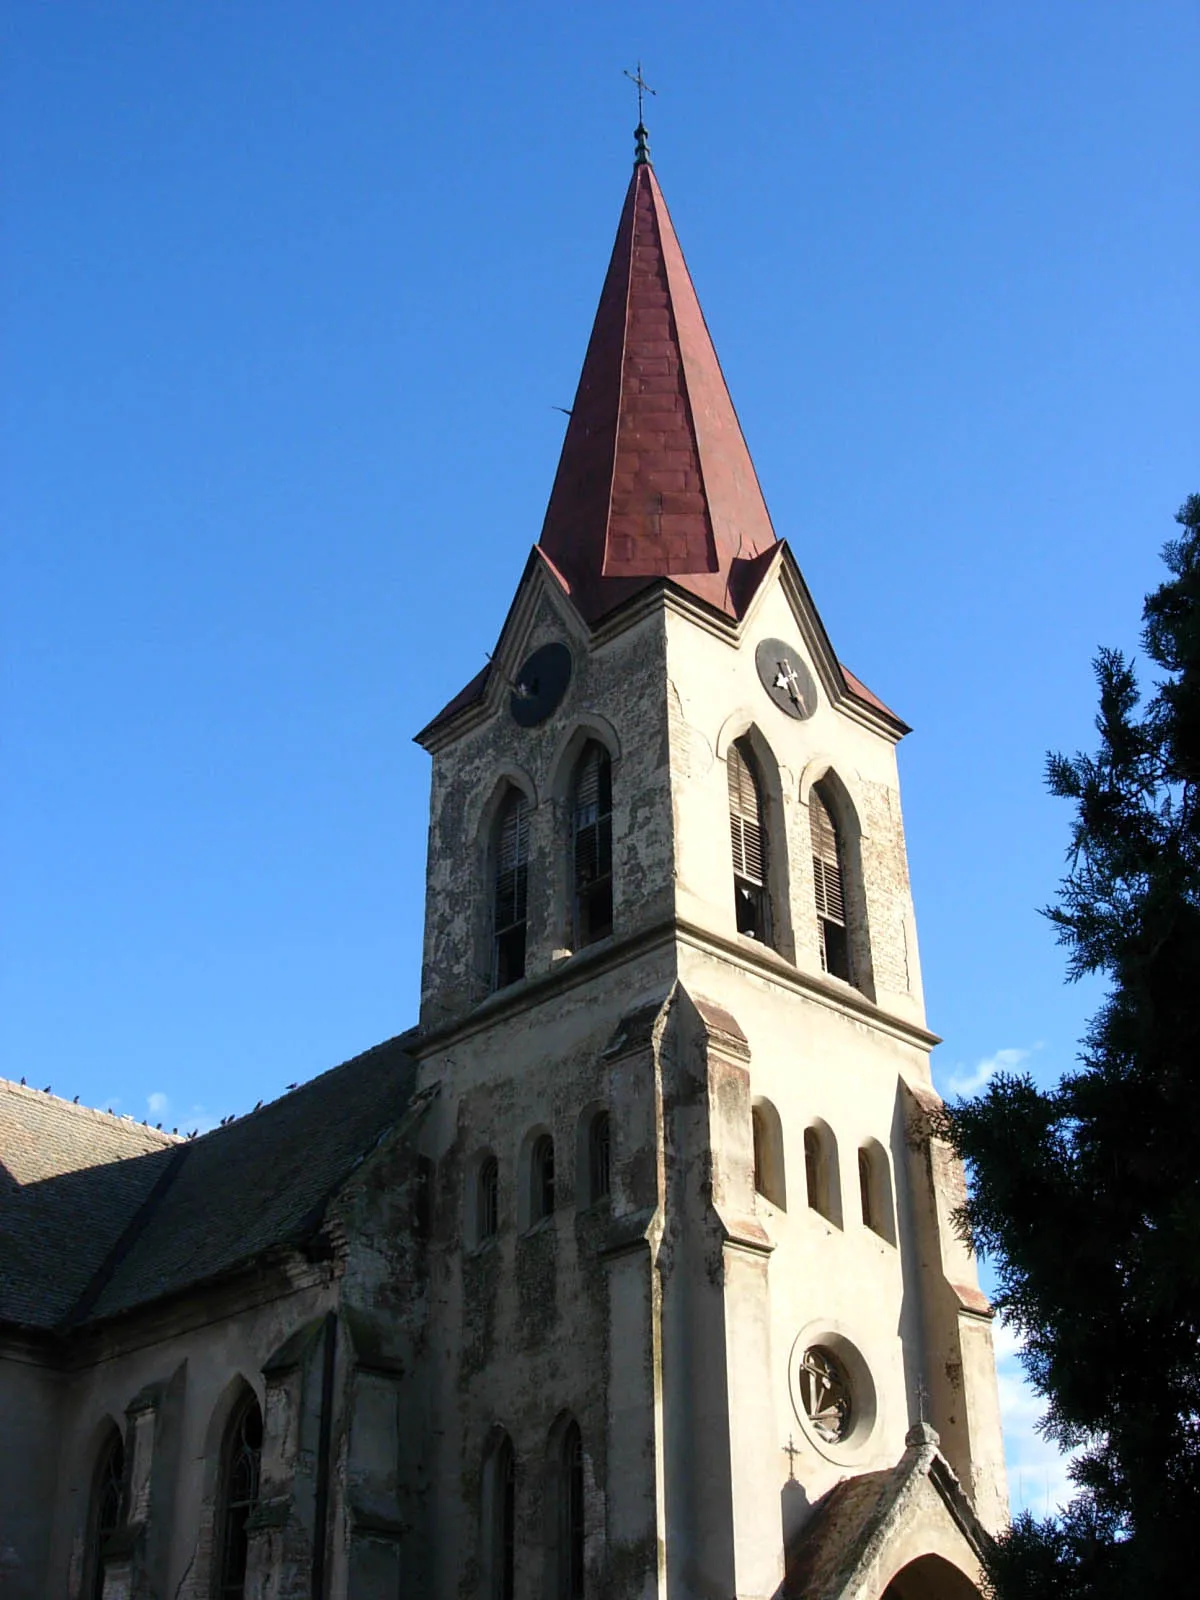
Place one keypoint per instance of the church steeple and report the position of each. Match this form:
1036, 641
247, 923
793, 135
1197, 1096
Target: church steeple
655, 480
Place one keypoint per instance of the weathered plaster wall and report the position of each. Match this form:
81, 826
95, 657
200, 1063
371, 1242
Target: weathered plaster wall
615, 694
30, 1406
554, 1318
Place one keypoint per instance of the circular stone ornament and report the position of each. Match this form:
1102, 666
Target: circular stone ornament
786, 678
540, 685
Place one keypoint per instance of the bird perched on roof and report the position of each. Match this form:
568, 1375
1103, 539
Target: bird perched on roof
22, 1083
257, 1103
46, 1090
75, 1102
290, 1085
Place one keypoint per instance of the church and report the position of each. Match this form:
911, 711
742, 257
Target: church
630, 1271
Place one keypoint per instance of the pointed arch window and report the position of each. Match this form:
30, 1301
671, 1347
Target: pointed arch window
749, 839
829, 887
599, 1156
107, 1509
487, 1199
240, 1466
500, 1520
510, 891
541, 1178
591, 845
571, 1538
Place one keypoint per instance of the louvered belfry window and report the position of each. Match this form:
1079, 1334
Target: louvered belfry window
749, 840
512, 873
829, 888
591, 846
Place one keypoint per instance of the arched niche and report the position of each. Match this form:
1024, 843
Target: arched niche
876, 1200
770, 1176
822, 1171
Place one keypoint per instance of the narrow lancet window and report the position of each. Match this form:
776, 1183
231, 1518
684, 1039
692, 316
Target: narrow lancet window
500, 1521
829, 888
571, 1563
108, 1496
599, 1156
591, 846
511, 890
749, 840
487, 1200
541, 1178
239, 1496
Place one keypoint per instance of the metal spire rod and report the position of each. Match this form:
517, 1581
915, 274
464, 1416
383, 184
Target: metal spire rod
642, 152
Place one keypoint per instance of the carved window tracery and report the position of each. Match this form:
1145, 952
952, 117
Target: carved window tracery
241, 1463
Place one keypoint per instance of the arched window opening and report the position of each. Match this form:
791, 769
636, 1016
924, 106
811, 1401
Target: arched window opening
821, 1172
829, 887
749, 840
812, 1168
767, 1132
500, 1520
107, 1509
487, 1200
571, 1541
591, 846
511, 890
541, 1178
599, 1157
864, 1190
240, 1464
875, 1190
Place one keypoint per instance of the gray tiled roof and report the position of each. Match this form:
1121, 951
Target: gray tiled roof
71, 1181
98, 1238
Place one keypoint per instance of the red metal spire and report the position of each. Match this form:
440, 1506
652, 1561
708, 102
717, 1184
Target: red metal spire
654, 480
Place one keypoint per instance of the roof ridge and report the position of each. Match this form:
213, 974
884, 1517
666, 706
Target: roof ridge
124, 1120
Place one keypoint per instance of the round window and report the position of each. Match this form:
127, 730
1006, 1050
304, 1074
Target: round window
825, 1394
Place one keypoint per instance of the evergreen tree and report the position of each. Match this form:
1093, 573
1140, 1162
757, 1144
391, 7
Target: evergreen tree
1087, 1196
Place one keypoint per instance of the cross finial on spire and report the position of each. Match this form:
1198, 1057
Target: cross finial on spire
642, 152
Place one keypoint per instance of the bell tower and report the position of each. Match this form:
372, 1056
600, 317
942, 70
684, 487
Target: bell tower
699, 1320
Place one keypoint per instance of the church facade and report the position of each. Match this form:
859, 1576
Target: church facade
630, 1270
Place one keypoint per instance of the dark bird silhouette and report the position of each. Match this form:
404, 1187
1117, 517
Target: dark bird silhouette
158, 1124
46, 1090
22, 1083
257, 1103
290, 1085
75, 1102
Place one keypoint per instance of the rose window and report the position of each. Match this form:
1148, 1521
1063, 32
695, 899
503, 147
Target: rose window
825, 1394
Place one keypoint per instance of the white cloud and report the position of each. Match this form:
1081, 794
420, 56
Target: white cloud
971, 1080
158, 1103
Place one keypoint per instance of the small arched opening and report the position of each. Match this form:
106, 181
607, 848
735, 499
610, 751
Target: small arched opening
770, 1179
931, 1577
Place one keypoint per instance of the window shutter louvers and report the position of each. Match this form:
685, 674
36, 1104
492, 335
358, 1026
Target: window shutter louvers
512, 857
827, 870
745, 820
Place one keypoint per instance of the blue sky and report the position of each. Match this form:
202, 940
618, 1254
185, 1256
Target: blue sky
289, 295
